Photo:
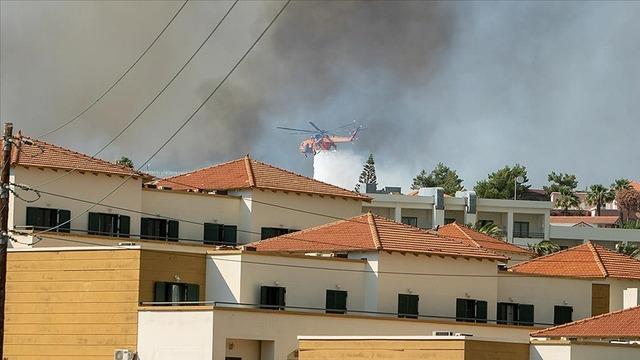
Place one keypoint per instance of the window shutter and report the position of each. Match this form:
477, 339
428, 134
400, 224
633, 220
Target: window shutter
267, 233
412, 305
211, 233
229, 234
341, 300
402, 305
144, 227
124, 226
172, 232
160, 293
501, 313
525, 314
562, 314
94, 223
481, 311
281, 292
193, 292
461, 309
330, 303
32, 216
64, 216
264, 295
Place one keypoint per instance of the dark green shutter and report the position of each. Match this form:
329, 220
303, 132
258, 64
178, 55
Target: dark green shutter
267, 233
229, 234
525, 314
94, 223
501, 313
412, 305
341, 300
193, 292
281, 292
402, 305
32, 216
211, 233
481, 311
64, 216
144, 228
172, 232
461, 309
330, 303
562, 314
124, 225
264, 295
160, 293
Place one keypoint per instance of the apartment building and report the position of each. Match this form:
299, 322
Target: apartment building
237, 202
521, 221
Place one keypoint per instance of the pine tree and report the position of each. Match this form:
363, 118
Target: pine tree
441, 176
368, 174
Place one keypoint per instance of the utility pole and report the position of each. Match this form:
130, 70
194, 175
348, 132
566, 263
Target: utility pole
7, 144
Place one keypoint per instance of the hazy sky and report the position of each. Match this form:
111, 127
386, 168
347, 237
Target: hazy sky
476, 85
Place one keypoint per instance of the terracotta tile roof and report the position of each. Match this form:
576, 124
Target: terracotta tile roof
247, 173
584, 261
43, 154
595, 220
370, 232
476, 238
622, 324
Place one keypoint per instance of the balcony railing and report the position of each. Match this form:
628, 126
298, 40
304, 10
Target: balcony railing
529, 234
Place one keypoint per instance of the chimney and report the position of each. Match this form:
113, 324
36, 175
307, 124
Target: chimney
371, 188
631, 298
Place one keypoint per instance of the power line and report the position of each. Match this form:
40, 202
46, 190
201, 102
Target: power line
153, 100
185, 123
119, 79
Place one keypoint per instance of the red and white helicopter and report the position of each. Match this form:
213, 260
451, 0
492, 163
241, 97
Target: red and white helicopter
323, 140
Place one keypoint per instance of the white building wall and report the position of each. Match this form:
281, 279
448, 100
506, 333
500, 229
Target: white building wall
86, 186
223, 277
550, 352
592, 351
172, 335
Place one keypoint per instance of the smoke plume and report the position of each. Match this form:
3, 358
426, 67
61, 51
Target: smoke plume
476, 85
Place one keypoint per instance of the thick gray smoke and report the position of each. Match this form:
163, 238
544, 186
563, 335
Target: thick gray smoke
475, 85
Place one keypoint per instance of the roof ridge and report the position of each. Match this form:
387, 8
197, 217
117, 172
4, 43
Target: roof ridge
544, 256
249, 169
309, 178
374, 230
596, 256
581, 321
465, 234
200, 169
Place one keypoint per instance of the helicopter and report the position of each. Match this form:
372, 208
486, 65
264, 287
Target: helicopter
323, 140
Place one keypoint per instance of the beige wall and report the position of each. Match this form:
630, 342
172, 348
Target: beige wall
169, 267
86, 186
262, 325
546, 292
263, 215
194, 207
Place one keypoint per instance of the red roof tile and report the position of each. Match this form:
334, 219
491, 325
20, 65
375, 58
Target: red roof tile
476, 238
623, 324
43, 154
370, 232
585, 261
246, 173
597, 220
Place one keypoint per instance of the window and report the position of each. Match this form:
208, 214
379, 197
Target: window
109, 224
176, 292
449, 220
521, 229
410, 220
471, 310
158, 229
336, 302
44, 218
269, 232
515, 314
562, 314
272, 297
408, 306
217, 234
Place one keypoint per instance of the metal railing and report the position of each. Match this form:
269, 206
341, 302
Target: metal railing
281, 308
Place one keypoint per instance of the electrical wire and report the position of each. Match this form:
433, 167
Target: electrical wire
177, 131
153, 100
119, 79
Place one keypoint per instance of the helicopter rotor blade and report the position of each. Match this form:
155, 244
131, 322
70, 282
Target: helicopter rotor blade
341, 127
292, 129
315, 127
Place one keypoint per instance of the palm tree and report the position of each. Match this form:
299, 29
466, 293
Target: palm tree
490, 229
567, 199
628, 249
599, 195
544, 247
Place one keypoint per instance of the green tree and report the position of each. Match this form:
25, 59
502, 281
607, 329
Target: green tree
368, 174
500, 184
620, 184
125, 161
557, 181
631, 224
440, 176
566, 200
599, 195
544, 247
490, 229
628, 249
